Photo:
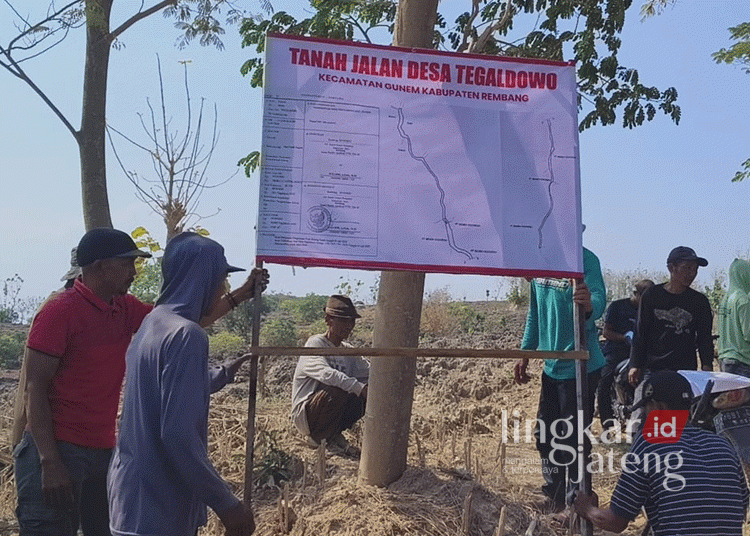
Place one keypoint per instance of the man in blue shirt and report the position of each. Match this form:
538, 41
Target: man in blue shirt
693, 486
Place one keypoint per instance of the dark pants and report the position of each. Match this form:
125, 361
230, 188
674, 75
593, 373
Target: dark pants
557, 441
604, 391
733, 366
331, 411
87, 468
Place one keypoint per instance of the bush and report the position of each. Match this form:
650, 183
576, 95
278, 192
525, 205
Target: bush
148, 280
306, 310
279, 331
716, 293
11, 350
239, 320
273, 465
437, 318
224, 344
469, 320
319, 326
519, 293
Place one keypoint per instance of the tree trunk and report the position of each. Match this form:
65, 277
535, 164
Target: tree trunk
399, 309
91, 137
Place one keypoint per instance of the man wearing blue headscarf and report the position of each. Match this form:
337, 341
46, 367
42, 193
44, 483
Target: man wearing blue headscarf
161, 479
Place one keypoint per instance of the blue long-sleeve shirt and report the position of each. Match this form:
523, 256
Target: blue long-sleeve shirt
161, 479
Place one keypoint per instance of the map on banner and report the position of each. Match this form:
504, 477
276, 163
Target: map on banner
385, 158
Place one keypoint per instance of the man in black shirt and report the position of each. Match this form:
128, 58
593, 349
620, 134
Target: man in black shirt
673, 320
619, 327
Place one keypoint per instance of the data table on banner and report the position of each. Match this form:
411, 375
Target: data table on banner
376, 173
320, 179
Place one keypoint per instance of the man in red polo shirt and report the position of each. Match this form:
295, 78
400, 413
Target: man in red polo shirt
75, 366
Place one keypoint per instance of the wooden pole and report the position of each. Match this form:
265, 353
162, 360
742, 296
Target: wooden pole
252, 393
582, 403
471, 353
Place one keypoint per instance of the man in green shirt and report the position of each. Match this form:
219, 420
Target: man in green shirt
549, 326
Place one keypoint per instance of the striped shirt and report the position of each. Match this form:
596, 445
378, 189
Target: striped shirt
693, 487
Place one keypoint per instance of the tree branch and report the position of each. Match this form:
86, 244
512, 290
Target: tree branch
469, 25
480, 43
139, 16
16, 70
53, 17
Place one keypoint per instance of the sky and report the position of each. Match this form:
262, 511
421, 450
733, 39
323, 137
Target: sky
644, 190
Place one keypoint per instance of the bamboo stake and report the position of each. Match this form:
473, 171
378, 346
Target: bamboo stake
321, 465
466, 516
467, 454
532, 526
499, 447
286, 508
502, 460
453, 446
280, 512
441, 434
420, 451
500, 531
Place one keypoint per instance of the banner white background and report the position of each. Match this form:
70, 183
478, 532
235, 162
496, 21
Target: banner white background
385, 158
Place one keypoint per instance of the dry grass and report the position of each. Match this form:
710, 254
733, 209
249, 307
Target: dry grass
451, 455
454, 453
427, 500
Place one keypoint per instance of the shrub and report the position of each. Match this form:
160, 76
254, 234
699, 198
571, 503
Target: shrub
716, 292
519, 293
469, 320
306, 310
437, 318
11, 350
224, 344
239, 320
273, 465
148, 280
279, 331
319, 326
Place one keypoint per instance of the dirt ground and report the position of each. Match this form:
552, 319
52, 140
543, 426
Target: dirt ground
455, 482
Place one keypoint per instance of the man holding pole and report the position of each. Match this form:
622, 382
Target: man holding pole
550, 326
160, 478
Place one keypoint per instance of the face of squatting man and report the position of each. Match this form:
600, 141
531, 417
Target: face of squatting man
340, 328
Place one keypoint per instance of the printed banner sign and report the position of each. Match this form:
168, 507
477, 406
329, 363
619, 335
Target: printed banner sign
384, 158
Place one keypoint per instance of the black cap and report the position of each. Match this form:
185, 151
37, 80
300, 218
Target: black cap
105, 243
669, 387
684, 253
341, 306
